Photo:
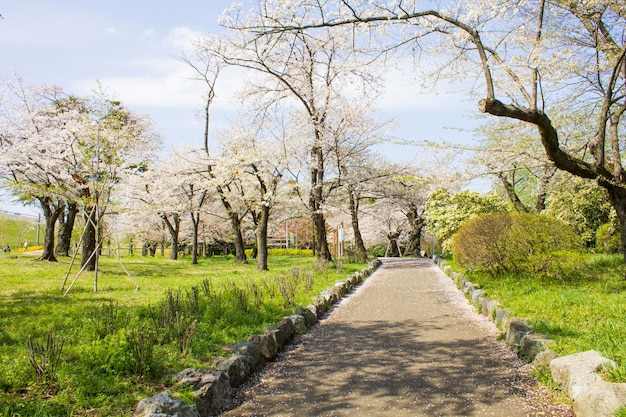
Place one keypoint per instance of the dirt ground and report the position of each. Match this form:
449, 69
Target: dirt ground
405, 343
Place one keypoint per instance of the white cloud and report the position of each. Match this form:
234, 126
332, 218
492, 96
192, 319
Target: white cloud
111, 30
181, 38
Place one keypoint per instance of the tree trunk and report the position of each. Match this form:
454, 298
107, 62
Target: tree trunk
195, 220
359, 245
174, 228
240, 247
88, 261
66, 226
261, 238
617, 196
393, 243
235, 222
51, 214
416, 221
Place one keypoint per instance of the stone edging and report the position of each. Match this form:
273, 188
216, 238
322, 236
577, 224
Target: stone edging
577, 374
213, 388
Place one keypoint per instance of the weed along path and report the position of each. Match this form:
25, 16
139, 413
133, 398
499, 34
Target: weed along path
405, 343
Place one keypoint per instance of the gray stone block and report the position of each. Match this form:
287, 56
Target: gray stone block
515, 332
600, 399
237, 367
575, 372
267, 343
163, 405
501, 315
211, 388
532, 344
252, 352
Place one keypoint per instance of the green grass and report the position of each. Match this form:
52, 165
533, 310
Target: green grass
98, 373
585, 310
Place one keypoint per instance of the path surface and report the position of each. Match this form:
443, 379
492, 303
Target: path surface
405, 343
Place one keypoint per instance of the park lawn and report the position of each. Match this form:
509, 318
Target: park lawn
112, 351
582, 311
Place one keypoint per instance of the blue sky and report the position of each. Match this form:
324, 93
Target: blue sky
130, 48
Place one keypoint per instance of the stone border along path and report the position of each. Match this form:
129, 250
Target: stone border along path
405, 343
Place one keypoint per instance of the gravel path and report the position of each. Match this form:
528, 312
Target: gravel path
405, 343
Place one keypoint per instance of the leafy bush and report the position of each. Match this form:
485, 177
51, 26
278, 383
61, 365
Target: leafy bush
377, 250
519, 243
481, 243
608, 238
536, 242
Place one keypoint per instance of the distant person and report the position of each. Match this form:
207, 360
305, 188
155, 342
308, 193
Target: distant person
6, 249
25, 246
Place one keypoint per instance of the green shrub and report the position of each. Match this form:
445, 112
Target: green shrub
377, 250
519, 243
481, 243
535, 244
608, 238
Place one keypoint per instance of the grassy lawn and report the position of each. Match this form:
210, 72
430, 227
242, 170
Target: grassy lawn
118, 345
585, 310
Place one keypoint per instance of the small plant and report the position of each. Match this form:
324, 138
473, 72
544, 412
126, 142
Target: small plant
185, 329
338, 265
106, 319
237, 295
321, 267
288, 285
142, 341
45, 358
257, 294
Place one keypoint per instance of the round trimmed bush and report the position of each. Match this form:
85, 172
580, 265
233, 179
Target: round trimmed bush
517, 243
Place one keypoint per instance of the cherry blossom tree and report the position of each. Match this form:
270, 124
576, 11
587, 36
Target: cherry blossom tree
255, 153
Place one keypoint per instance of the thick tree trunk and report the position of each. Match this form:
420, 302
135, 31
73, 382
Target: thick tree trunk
393, 244
235, 222
359, 246
66, 226
195, 220
617, 196
173, 227
51, 214
414, 244
240, 247
89, 257
261, 239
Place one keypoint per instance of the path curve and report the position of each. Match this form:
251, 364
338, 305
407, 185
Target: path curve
405, 343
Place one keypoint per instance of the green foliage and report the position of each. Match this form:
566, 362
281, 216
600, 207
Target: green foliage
377, 251
481, 243
582, 204
608, 238
519, 243
534, 242
446, 213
